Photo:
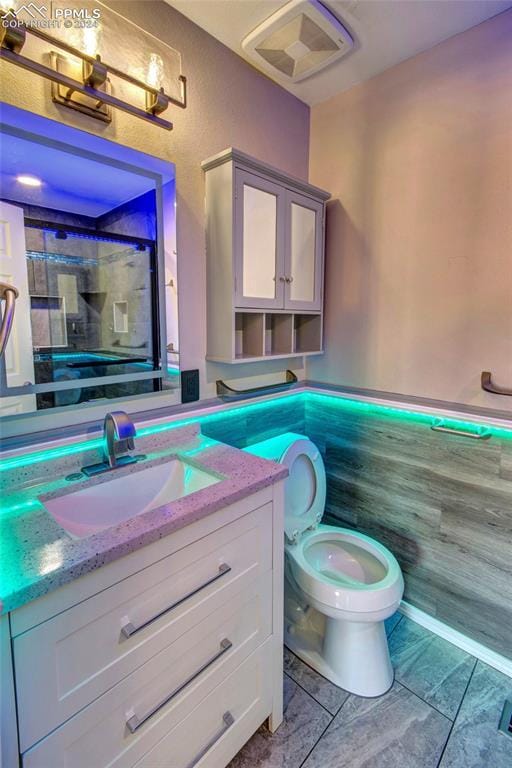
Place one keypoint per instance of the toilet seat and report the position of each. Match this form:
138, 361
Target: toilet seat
363, 576
338, 569
305, 486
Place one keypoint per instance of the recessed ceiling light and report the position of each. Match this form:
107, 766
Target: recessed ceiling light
29, 181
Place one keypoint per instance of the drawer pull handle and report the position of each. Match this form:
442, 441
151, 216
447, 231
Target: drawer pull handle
135, 722
228, 720
482, 434
129, 629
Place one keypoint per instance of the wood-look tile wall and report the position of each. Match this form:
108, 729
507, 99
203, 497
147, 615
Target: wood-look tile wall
442, 504
248, 425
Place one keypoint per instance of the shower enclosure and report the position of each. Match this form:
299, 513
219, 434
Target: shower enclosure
93, 311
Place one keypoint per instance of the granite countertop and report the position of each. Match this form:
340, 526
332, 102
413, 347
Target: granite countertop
38, 556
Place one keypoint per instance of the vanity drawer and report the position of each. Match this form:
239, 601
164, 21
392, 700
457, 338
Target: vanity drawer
120, 727
222, 723
65, 663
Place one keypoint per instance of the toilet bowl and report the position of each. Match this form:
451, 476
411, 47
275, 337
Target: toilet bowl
340, 585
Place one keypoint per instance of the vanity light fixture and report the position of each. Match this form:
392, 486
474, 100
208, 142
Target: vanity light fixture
28, 180
87, 89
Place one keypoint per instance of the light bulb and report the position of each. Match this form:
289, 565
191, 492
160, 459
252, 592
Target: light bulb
155, 74
90, 40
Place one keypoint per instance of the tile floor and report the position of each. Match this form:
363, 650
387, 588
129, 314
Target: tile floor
443, 710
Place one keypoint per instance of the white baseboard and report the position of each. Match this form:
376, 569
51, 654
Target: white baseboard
479, 651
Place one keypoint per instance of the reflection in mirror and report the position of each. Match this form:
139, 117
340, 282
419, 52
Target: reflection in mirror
89, 244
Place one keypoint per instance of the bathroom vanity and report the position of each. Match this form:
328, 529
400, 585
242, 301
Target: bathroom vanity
166, 626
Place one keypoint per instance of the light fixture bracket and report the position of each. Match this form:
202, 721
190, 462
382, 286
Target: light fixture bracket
74, 99
94, 73
156, 102
13, 38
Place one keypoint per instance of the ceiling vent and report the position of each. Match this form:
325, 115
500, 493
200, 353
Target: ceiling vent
298, 40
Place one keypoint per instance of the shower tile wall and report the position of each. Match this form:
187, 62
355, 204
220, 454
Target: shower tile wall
91, 327
135, 218
82, 325
132, 271
442, 504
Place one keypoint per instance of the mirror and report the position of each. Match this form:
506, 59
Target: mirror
87, 239
303, 252
259, 243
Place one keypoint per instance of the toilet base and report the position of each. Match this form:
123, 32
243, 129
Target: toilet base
352, 655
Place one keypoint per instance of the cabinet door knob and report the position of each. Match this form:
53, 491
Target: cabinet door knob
289, 279
283, 279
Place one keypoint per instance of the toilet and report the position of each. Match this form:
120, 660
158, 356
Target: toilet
340, 585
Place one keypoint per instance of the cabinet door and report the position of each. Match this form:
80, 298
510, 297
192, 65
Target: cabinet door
304, 252
260, 211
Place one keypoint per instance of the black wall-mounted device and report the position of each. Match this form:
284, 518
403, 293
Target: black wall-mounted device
189, 386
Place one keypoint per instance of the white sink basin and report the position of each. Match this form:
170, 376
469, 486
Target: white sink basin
92, 509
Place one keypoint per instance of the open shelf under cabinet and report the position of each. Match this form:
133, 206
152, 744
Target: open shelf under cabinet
274, 336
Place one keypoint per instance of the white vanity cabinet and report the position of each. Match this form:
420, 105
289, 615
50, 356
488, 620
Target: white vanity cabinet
265, 250
171, 655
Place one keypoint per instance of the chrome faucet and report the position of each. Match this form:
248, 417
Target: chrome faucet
117, 427
118, 430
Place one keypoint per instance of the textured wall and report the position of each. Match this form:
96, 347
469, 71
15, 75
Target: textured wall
419, 231
230, 104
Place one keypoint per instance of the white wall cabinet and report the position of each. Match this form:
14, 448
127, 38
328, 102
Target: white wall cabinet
265, 247
150, 656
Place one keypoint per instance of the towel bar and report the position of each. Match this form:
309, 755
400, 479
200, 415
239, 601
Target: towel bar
483, 434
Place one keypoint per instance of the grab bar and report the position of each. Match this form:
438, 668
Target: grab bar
438, 426
9, 294
229, 393
490, 387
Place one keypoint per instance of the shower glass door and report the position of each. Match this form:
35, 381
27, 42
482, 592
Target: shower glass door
93, 312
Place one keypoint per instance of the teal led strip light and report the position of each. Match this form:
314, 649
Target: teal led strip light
344, 404
67, 450
402, 414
